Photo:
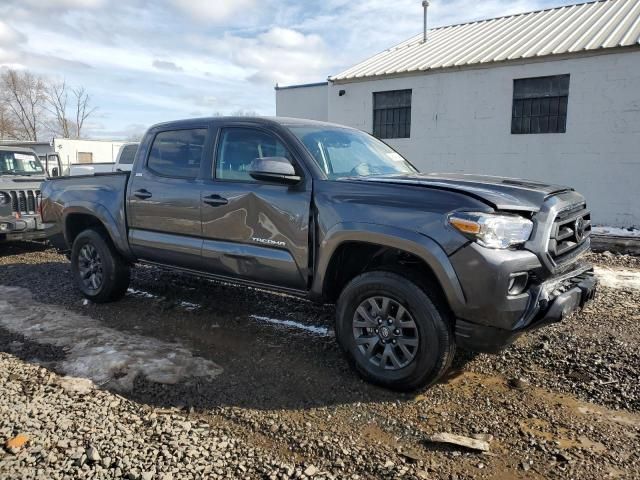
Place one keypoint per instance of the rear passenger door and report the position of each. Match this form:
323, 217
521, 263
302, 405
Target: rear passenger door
254, 230
164, 198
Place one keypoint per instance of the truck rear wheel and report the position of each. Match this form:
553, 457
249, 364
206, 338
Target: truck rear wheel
397, 334
100, 272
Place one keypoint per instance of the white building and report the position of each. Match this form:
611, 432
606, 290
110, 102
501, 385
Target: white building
73, 151
552, 95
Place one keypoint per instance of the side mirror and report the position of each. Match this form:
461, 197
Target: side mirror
274, 169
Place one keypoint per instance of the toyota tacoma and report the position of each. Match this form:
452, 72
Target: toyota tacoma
417, 264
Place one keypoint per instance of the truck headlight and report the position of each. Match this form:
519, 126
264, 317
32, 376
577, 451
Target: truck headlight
493, 230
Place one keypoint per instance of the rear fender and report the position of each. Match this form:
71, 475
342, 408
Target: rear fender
115, 229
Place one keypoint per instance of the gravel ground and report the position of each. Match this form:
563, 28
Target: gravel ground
247, 384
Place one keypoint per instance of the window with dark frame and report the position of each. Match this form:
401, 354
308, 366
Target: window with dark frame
540, 105
392, 114
177, 153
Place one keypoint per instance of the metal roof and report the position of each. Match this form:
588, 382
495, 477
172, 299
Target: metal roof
570, 29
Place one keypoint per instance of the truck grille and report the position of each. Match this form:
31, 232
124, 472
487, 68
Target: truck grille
570, 230
24, 201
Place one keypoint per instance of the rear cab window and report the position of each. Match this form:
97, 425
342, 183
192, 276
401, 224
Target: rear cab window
177, 153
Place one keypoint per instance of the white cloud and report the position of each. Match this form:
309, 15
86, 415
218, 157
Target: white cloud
9, 36
65, 4
279, 55
214, 12
166, 65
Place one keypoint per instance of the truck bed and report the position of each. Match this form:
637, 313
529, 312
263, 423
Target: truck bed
101, 195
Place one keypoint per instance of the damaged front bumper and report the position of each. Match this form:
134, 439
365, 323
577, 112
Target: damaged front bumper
550, 302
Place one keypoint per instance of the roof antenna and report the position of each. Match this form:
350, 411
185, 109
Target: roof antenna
425, 5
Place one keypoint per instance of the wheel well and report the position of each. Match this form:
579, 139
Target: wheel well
354, 258
76, 223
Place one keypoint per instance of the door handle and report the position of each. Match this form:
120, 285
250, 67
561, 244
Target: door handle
142, 194
215, 200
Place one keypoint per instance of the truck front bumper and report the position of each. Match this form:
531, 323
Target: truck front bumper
545, 309
492, 317
27, 227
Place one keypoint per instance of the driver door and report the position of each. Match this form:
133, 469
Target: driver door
254, 230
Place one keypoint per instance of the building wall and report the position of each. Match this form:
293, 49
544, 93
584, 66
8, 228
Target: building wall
461, 122
306, 101
102, 151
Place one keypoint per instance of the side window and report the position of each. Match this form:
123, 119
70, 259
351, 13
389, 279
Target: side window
177, 153
540, 105
239, 147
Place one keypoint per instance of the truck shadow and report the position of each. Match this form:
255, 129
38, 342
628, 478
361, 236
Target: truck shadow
266, 364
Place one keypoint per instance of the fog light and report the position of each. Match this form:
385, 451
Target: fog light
518, 283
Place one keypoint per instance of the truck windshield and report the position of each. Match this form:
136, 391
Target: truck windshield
18, 163
343, 153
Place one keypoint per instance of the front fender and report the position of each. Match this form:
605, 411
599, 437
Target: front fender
419, 245
116, 230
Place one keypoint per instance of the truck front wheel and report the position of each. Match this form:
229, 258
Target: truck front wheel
99, 271
397, 334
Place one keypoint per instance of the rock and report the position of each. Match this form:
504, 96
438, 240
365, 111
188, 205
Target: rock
460, 440
518, 383
92, 454
311, 471
485, 437
15, 444
526, 466
411, 455
80, 386
389, 464
147, 476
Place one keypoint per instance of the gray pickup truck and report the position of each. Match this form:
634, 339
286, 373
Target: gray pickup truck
21, 175
416, 263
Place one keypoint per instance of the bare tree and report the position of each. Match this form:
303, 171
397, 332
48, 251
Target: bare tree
57, 100
24, 96
8, 126
68, 114
83, 108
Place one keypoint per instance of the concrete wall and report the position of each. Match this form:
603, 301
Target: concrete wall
103, 151
461, 122
304, 101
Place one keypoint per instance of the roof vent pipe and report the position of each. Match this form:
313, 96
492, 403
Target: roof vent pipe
425, 5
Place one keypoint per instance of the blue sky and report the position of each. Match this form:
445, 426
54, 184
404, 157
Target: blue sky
147, 61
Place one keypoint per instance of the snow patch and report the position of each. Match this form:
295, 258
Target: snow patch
616, 232
188, 306
618, 278
290, 324
97, 352
140, 293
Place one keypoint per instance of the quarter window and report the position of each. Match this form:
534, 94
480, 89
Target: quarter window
178, 153
392, 114
241, 146
540, 105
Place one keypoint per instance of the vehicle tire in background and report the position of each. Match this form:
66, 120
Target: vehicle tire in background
99, 271
396, 334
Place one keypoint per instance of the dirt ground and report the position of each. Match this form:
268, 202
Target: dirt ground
195, 379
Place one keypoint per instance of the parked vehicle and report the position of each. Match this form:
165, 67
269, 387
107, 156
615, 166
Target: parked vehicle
416, 263
21, 175
123, 163
126, 156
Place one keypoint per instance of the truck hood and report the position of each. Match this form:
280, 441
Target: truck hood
14, 182
498, 192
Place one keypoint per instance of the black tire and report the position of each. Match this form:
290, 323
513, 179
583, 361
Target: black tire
114, 272
434, 338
